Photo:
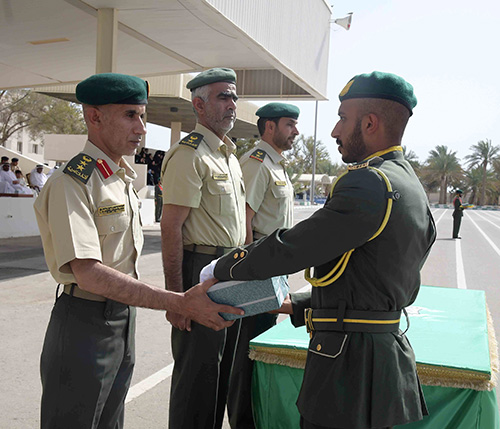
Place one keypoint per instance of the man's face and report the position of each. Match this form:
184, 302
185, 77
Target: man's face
285, 133
5, 167
219, 111
122, 128
348, 133
39, 170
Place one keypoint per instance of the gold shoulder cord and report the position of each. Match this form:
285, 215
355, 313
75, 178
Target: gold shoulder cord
340, 267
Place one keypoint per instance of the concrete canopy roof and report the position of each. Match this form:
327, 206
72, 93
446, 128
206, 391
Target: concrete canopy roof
280, 47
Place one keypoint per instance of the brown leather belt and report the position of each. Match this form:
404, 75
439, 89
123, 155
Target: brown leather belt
207, 250
80, 293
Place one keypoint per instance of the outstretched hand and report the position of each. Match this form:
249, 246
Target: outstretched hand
197, 306
286, 307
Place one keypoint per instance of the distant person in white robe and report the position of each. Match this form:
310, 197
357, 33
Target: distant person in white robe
38, 177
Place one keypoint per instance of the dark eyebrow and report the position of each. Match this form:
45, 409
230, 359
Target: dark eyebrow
229, 94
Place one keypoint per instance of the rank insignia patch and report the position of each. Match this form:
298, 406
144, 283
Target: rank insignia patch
80, 167
358, 166
259, 155
280, 183
192, 140
111, 210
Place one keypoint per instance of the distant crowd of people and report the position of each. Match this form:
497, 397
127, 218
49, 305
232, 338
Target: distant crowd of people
153, 162
13, 181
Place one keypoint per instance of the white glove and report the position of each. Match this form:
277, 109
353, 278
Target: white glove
207, 272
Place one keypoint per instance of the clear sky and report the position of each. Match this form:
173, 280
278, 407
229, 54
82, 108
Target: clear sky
448, 50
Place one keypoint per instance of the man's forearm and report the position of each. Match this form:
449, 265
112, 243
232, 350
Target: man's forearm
99, 279
172, 254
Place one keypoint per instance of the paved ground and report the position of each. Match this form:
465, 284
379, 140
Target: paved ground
27, 295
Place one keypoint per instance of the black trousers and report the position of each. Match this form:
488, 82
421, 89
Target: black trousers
239, 402
304, 424
203, 361
457, 220
86, 364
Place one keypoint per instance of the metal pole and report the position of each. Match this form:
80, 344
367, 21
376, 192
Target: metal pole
311, 192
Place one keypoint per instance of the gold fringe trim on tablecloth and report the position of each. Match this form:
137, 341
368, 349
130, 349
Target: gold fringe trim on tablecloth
430, 375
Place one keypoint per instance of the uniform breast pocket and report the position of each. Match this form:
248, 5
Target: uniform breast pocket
112, 224
328, 344
219, 197
279, 191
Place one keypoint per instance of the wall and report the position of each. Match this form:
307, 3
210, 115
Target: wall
17, 217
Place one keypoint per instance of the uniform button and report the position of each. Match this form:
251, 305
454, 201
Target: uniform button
318, 347
235, 256
242, 254
112, 228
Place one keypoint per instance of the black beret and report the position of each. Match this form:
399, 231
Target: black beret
380, 85
212, 76
112, 88
278, 110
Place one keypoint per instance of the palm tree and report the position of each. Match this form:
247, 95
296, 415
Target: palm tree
443, 166
483, 154
411, 157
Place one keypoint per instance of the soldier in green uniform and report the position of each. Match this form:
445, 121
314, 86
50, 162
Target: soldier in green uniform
203, 217
89, 221
458, 213
269, 206
367, 245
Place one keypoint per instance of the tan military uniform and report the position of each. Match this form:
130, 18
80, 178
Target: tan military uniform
98, 220
88, 336
269, 193
202, 173
205, 175
268, 188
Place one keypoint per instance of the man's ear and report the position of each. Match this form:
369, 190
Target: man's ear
370, 124
198, 105
93, 115
270, 126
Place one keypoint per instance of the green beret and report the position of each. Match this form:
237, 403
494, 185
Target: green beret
380, 85
112, 88
278, 110
211, 76
459, 191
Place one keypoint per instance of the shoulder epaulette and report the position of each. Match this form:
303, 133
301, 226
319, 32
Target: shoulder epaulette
80, 167
365, 164
358, 166
259, 155
192, 140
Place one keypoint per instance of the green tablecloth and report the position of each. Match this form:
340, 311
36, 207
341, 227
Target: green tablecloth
449, 333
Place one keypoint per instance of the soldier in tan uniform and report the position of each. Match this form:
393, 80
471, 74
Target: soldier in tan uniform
203, 217
88, 216
269, 206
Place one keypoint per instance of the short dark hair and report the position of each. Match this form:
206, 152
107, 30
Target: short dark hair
15, 159
261, 124
5, 158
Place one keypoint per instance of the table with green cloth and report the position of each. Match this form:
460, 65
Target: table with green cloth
452, 334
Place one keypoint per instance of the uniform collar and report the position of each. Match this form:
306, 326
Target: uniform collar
124, 170
271, 151
390, 150
214, 142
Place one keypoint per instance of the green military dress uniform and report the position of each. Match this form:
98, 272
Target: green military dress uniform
352, 379
458, 213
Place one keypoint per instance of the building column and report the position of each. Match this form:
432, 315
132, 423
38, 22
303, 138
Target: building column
175, 132
107, 32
